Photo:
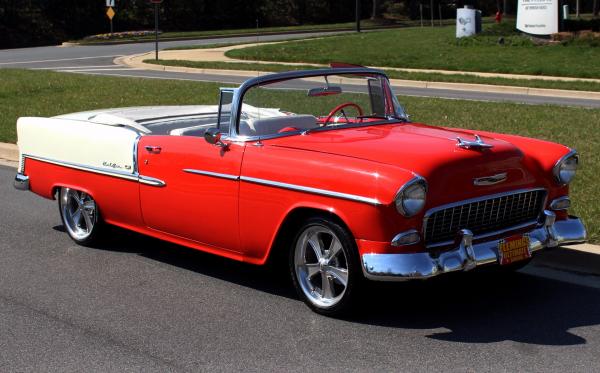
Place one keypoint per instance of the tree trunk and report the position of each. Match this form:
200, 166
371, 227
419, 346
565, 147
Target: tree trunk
505, 8
595, 8
375, 13
577, 9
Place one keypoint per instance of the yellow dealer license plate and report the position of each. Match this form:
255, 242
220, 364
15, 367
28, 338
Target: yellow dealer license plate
514, 249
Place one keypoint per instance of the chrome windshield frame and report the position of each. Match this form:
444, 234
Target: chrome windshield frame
236, 105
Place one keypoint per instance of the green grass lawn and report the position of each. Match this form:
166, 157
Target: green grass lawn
45, 93
427, 77
437, 48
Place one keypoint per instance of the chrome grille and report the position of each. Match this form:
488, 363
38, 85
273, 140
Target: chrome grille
483, 215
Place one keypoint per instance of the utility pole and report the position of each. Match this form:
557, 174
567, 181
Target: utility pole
357, 15
577, 9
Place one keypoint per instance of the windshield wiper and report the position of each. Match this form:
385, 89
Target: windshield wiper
386, 117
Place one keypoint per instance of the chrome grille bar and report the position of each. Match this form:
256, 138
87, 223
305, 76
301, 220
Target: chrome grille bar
484, 216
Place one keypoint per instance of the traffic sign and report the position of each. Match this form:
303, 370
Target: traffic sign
110, 13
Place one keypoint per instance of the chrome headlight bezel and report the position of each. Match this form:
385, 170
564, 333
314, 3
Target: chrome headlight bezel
411, 197
565, 169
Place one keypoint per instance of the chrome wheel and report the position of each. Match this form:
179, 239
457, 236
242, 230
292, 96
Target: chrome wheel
78, 211
321, 266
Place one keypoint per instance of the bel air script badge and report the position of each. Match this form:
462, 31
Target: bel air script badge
490, 180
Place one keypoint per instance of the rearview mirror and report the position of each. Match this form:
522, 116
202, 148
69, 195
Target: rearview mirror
213, 137
324, 91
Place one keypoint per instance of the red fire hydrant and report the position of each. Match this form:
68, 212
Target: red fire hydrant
498, 17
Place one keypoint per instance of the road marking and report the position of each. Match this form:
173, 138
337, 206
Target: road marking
58, 60
114, 68
72, 67
590, 281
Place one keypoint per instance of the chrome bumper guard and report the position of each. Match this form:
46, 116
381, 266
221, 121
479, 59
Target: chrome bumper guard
468, 255
21, 182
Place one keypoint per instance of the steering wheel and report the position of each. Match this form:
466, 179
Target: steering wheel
341, 108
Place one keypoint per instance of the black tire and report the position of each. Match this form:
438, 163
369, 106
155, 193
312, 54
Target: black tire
86, 230
330, 275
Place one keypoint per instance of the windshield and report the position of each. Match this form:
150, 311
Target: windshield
306, 104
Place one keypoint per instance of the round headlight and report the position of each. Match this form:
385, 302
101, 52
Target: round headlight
566, 167
410, 199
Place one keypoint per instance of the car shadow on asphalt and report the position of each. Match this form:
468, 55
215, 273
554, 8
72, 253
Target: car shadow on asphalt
480, 306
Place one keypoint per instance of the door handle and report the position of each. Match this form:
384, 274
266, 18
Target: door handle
153, 149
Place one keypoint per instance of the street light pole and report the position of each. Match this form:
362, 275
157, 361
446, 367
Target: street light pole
156, 29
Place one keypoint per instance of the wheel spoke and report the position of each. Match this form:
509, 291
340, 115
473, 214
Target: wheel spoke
88, 220
334, 248
77, 216
315, 245
340, 274
311, 269
326, 287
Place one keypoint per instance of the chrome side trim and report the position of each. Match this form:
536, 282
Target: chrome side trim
209, 173
323, 192
151, 181
78, 166
21, 182
113, 173
467, 255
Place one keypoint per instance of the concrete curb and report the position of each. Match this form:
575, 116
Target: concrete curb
136, 61
9, 152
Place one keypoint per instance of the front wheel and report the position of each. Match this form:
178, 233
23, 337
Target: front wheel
79, 214
325, 267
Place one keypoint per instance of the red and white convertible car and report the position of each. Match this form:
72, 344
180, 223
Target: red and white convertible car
321, 166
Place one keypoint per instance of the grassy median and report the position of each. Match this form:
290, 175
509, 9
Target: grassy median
44, 93
437, 48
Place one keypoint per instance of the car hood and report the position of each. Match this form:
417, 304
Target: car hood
431, 152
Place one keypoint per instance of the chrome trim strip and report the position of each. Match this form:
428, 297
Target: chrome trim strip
467, 255
21, 182
78, 166
555, 168
151, 181
213, 174
323, 192
113, 173
556, 201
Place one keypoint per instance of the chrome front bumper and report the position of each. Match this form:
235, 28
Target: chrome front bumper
21, 182
468, 255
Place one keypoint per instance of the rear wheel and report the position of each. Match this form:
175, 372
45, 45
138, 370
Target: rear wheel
324, 266
79, 214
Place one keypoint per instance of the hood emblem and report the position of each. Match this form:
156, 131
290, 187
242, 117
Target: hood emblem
477, 144
490, 180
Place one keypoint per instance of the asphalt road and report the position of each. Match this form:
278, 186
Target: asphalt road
138, 304
98, 59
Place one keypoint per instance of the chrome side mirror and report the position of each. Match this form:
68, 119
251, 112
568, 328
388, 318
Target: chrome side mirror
213, 137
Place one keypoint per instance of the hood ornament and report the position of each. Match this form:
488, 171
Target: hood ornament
477, 144
490, 180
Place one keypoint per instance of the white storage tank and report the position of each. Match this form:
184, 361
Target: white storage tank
468, 22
